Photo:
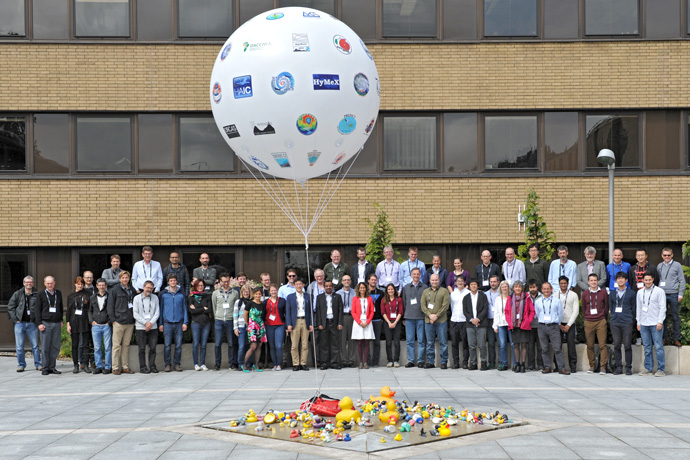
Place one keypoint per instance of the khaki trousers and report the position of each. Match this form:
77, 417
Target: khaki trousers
596, 329
122, 336
300, 338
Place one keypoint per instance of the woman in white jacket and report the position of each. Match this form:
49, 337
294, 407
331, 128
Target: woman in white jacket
501, 323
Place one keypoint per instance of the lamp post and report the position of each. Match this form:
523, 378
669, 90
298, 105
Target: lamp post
607, 158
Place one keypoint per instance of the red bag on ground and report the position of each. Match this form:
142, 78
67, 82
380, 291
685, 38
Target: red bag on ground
321, 405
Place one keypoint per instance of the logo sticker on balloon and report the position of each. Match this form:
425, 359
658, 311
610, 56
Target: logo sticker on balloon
282, 159
310, 14
306, 124
366, 50
258, 162
339, 158
347, 124
361, 84
225, 51
326, 81
231, 131
217, 95
342, 44
274, 16
370, 126
283, 83
300, 43
261, 129
255, 46
313, 156
242, 86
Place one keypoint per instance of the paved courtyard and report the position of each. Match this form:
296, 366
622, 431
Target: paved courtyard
158, 416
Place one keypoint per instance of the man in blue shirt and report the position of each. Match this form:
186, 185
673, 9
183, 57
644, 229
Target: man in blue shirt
549, 311
618, 265
388, 270
147, 270
409, 265
562, 267
622, 304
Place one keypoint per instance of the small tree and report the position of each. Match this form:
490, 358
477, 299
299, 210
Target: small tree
381, 235
535, 229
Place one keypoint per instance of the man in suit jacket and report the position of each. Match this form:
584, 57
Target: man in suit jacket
475, 307
298, 319
328, 319
48, 317
361, 271
590, 266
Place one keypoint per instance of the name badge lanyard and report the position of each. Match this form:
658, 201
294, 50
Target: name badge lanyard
54, 306
273, 307
596, 300
347, 299
543, 302
428, 298
510, 265
484, 278
668, 272
517, 309
639, 275
385, 271
147, 311
645, 303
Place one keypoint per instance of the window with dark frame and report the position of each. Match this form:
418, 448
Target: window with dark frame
101, 18
205, 18
155, 143
404, 18
104, 144
14, 266
510, 141
51, 19
202, 148
51, 143
612, 17
460, 142
409, 143
619, 133
12, 143
561, 144
96, 262
510, 18
327, 6
12, 18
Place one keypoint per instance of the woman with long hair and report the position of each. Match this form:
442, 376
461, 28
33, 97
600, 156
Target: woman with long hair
455, 274
274, 307
201, 314
500, 325
78, 325
256, 330
392, 312
363, 331
519, 316
238, 324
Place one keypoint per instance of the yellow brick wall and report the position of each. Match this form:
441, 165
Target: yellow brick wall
486, 76
165, 212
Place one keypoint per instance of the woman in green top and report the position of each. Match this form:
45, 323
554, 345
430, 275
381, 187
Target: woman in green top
256, 330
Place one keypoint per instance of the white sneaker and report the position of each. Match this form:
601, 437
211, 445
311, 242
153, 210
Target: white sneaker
389, 365
277, 368
645, 372
203, 367
396, 364
660, 373
197, 367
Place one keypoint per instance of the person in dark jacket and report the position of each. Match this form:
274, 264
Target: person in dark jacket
48, 317
173, 321
328, 319
360, 272
201, 313
623, 308
77, 319
475, 307
179, 270
19, 311
101, 330
120, 306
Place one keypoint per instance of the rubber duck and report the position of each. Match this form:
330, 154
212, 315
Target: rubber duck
386, 395
425, 414
293, 423
405, 427
444, 430
386, 417
347, 437
382, 439
347, 413
242, 421
433, 432
317, 422
259, 427
418, 418
251, 416
452, 421
294, 433
422, 433
398, 437
411, 422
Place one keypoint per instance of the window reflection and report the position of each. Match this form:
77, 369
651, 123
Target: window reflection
104, 144
205, 18
327, 6
102, 18
202, 148
51, 143
155, 143
460, 142
611, 17
12, 18
510, 18
12, 144
619, 133
409, 18
409, 143
560, 141
510, 142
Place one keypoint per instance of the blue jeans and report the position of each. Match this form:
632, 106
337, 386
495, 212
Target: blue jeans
672, 315
221, 327
170, 331
412, 327
102, 335
276, 337
199, 340
504, 338
432, 331
242, 342
651, 336
31, 330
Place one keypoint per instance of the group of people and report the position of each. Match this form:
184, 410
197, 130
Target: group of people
530, 308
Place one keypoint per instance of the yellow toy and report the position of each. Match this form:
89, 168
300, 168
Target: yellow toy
444, 429
383, 439
386, 395
347, 413
425, 414
385, 417
398, 437
251, 416
269, 418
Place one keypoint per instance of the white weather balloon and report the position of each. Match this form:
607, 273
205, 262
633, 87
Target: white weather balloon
295, 93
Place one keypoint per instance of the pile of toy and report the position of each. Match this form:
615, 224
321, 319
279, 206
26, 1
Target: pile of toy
390, 412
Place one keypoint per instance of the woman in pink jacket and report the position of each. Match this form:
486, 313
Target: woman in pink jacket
519, 315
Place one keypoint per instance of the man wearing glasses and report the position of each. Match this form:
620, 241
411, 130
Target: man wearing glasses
672, 281
289, 288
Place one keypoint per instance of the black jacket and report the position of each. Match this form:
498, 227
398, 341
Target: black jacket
482, 309
42, 308
78, 301
202, 313
17, 305
96, 314
119, 300
369, 269
322, 307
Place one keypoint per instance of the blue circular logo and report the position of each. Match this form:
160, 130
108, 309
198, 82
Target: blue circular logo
283, 83
217, 94
225, 51
306, 124
258, 162
347, 124
274, 16
361, 84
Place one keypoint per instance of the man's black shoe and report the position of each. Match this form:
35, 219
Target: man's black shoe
323, 367
409, 364
304, 368
472, 367
336, 367
98, 370
154, 370
421, 365
484, 367
429, 366
296, 368
55, 371
107, 371
444, 366
465, 366
456, 366
217, 368
144, 370
45, 372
